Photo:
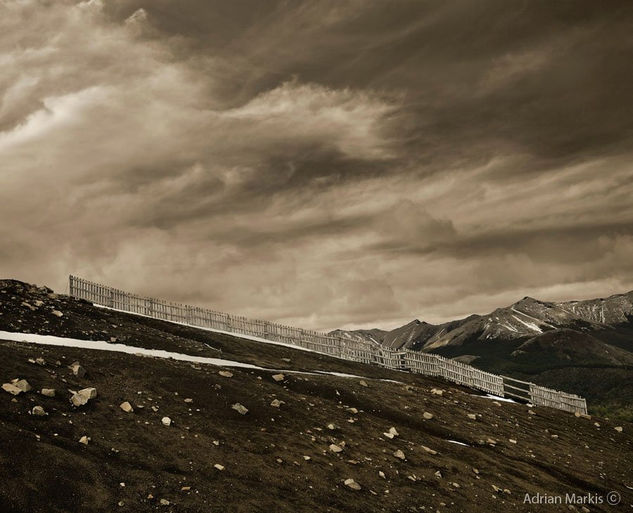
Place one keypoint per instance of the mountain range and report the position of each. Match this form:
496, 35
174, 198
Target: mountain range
553, 343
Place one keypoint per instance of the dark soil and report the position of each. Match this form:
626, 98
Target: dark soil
43, 467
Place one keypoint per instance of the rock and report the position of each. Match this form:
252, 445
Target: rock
83, 396
217, 466
456, 485
165, 421
512, 441
363, 383
57, 313
352, 410
279, 377
84, 440
126, 407
185, 488
22, 384
40, 361
276, 403
332, 427
48, 392
240, 408
618, 429
381, 474
472, 416
77, 369
188, 400
307, 458
438, 474
427, 415
400, 455
437, 391
164, 502
350, 483
336, 448
225, 374
496, 488
11, 389
38, 411
428, 449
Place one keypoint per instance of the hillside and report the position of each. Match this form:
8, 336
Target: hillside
584, 347
303, 436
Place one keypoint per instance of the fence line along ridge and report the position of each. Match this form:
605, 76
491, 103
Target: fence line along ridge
333, 345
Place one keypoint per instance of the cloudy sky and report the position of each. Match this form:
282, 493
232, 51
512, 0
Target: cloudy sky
321, 163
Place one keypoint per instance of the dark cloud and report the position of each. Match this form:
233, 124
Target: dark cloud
323, 163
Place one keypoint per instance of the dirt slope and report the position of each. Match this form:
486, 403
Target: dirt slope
44, 468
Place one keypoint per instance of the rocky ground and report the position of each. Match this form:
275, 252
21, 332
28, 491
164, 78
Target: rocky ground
164, 435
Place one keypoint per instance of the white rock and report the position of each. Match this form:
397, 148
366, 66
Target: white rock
218, 466
428, 449
350, 483
11, 389
399, 454
240, 408
336, 448
84, 440
363, 383
77, 369
57, 313
427, 415
38, 411
166, 421
48, 392
126, 407
225, 374
276, 403
279, 377
618, 429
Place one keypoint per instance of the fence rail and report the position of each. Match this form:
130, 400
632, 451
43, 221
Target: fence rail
334, 345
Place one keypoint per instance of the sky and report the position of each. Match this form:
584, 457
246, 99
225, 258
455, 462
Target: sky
326, 164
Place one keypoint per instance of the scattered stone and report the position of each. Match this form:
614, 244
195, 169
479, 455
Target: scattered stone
40, 361
126, 407
225, 374
352, 410
437, 391
57, 313
472, 416
438, 474
11, 389
496, 488
456, 485
307, 458
350, 483
618, 429
240, 408
276, 403
38, 411
166, 421
336, 448
83, 396
48, 392
381, 474
400, 455
77, 369
332, 427
279, 377
428, 449
363, 383
185, 488
84, 440
164, 502
512, 441
217, 466
188, 400
427, 415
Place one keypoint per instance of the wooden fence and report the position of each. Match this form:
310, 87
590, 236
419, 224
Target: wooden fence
334, 345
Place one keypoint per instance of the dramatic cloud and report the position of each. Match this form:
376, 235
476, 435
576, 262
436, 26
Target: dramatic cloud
326, 164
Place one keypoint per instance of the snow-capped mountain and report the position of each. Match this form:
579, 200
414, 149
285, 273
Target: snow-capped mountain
526, 318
